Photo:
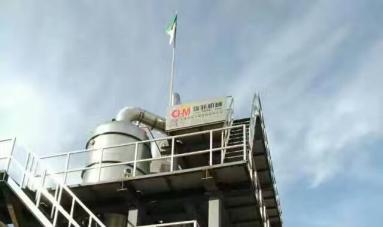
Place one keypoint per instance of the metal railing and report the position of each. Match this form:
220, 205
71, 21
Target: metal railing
192, 223
22, 176
230, 112
257, 113
214, 151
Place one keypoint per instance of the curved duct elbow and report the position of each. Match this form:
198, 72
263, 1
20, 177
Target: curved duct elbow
137, 114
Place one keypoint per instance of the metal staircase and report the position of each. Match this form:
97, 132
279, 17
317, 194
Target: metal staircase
45, 195
236, 137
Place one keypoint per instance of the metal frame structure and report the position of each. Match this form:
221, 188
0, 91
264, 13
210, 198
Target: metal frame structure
52, 184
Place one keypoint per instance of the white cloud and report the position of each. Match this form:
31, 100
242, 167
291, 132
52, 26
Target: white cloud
36, 117
314, 113
65, 67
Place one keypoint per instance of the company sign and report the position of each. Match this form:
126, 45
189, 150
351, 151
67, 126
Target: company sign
197, 113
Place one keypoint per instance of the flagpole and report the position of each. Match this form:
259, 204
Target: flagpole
172, 78
173, 41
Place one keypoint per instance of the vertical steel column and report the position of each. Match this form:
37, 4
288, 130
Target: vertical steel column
222, 145
172, 156
135, 159
132, 217
211, 148
215, 210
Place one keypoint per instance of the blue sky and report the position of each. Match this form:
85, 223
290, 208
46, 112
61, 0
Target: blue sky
66, 66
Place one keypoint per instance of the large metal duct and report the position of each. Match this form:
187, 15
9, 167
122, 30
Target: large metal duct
137, 114
117, 132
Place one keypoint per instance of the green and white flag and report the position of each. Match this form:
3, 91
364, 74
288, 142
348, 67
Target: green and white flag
171, 31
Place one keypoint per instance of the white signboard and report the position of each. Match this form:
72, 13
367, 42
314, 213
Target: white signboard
198, 113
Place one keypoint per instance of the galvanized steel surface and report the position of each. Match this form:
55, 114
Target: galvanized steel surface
114, 133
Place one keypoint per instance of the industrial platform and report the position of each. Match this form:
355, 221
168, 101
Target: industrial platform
210, 175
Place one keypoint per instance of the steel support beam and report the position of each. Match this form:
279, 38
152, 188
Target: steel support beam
14, 208
132, 217
215, 211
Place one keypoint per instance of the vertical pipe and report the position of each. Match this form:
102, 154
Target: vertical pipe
172, 156
211, 148
135, 159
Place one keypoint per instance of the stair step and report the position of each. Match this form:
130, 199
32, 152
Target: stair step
238, 129
236, 139
242, 123
247, 125
241, 120
234, 153
239, 132
233, 159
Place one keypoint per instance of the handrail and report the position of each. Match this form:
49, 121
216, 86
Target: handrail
47, 195
106, 165
194, 222
140, 142
256, 111
28, 174
76, 200
173, 155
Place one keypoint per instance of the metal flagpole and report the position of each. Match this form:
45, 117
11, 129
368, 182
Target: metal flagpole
173, 62
172, 76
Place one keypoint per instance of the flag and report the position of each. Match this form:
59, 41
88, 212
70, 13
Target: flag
171, 31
